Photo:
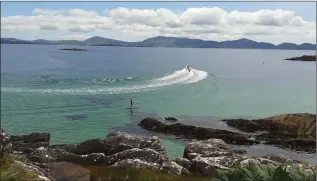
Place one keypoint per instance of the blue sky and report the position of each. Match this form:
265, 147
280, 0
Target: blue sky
272, 27
305, 9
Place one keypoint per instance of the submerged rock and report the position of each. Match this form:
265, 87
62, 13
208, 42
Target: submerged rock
77, 117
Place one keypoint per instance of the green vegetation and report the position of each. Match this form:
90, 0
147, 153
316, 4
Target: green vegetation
136, 174
10, 171
253, 172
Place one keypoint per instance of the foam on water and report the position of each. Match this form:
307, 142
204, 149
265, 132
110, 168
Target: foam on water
177, 77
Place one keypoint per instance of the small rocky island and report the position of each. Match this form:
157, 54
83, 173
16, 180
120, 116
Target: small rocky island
209, 151
73, 49
303, 58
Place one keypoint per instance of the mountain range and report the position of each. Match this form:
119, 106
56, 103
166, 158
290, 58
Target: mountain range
163, 41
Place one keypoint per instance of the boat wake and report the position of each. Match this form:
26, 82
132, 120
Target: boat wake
178, 77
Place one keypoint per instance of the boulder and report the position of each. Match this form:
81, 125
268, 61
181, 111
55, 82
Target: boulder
145, 154
183, 162
193, 132
206, 156
120, 139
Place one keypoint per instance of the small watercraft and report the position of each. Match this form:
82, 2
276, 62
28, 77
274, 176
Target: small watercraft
187, 67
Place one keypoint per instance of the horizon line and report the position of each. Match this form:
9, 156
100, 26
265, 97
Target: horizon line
156, 37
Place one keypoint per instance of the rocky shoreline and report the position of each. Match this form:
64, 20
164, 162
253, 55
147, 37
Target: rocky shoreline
291, 131
209, 150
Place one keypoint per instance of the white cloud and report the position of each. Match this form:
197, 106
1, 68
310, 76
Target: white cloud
202, 16
48, 27
211, 23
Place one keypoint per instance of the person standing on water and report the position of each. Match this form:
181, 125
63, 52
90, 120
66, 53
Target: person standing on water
131, 104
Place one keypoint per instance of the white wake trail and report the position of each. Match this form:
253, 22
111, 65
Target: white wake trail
178, 77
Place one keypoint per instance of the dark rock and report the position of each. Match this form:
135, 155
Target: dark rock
33, 137
244, 125
304, 58
308, 145
28, 146
73, 49
193, 132
86, 147
171, 119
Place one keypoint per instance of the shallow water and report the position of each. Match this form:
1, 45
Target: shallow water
80, 95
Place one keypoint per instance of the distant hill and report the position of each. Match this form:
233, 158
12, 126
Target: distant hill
163, 41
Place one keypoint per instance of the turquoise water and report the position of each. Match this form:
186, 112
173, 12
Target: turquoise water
80, 95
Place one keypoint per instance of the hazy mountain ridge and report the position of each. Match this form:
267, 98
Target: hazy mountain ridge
162, 41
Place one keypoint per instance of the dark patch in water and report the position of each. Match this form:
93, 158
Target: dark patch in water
77, 117
105, 100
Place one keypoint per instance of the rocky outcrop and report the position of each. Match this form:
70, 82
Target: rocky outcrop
117, 149
295, 131
194, 132
304, 58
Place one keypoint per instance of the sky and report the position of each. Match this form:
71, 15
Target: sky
273, 22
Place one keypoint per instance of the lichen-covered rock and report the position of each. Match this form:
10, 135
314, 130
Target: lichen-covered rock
183, 162
5, 143
206, 156
205, 148
145, 154
172, 167
120, 139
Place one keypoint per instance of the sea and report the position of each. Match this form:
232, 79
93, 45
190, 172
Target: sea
80, 95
